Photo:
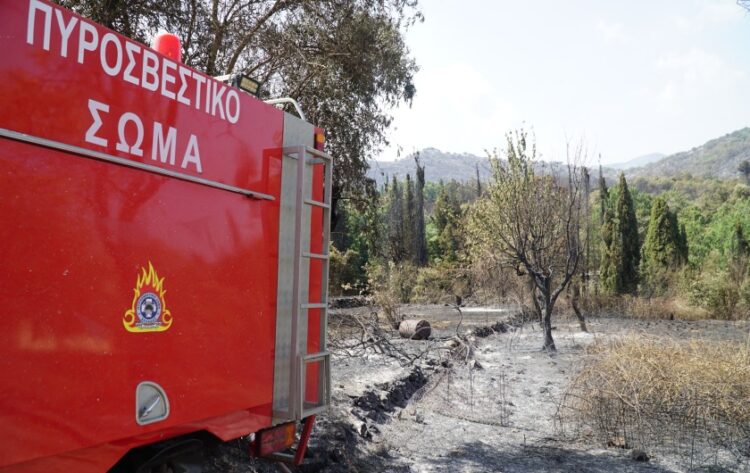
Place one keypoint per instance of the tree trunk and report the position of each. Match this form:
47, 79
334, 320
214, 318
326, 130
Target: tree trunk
546, 309
535, 301
549, 343
576, 307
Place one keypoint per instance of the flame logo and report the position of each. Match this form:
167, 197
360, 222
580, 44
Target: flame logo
148, 282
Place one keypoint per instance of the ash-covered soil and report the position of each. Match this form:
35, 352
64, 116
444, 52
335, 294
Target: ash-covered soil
414, 406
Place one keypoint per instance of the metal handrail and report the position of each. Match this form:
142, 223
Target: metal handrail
285, 100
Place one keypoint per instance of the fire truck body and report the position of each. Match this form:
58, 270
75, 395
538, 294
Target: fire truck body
163, 247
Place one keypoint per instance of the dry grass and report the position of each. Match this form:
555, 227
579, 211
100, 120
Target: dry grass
692, 398
664, 308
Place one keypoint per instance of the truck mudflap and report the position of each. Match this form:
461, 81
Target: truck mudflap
270, 443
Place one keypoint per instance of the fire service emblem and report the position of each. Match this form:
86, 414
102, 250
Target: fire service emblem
149, 311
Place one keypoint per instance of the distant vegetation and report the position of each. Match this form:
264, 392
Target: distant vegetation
720, 158
674, 246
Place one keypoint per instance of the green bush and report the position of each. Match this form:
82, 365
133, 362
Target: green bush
717, 292
346, 275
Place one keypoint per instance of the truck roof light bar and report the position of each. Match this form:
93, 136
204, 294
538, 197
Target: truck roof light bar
242, 82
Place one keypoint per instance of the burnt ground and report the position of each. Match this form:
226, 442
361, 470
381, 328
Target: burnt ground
439, 413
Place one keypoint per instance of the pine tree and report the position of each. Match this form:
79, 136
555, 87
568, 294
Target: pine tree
661, 250
627, 229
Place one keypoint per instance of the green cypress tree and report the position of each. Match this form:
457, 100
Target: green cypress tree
627, 229
611, 252
603, 195
445, 217
744, 169
683, 244
740, 245
661, 250
410, 217
395, 222
419, 225
679, 238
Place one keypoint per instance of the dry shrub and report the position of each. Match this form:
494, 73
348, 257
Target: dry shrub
491, 282
441, 284
692, 398
391, 285
390, 307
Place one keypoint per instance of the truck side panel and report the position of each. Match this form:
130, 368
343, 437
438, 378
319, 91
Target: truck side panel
80, 229
78, 233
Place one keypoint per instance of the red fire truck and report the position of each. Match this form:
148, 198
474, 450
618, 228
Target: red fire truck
163, 242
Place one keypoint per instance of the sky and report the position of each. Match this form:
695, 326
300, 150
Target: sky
625, 78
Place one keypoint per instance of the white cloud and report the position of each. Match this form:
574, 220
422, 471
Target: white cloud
673, 73
689, 72
710, 13
456, 108
721, 11
612, 32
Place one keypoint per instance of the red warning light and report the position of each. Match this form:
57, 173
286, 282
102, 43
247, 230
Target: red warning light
169, 45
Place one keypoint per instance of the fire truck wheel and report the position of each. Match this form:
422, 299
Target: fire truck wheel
177, 455
178, 467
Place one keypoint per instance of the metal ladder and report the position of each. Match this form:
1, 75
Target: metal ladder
307, 159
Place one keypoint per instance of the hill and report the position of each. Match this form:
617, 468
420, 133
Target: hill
639, 161
443, 166
438, 165
719, 157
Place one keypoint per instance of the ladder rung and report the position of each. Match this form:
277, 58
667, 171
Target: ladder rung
315, 305
321, 355
315, 255
317, 203
316, 161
